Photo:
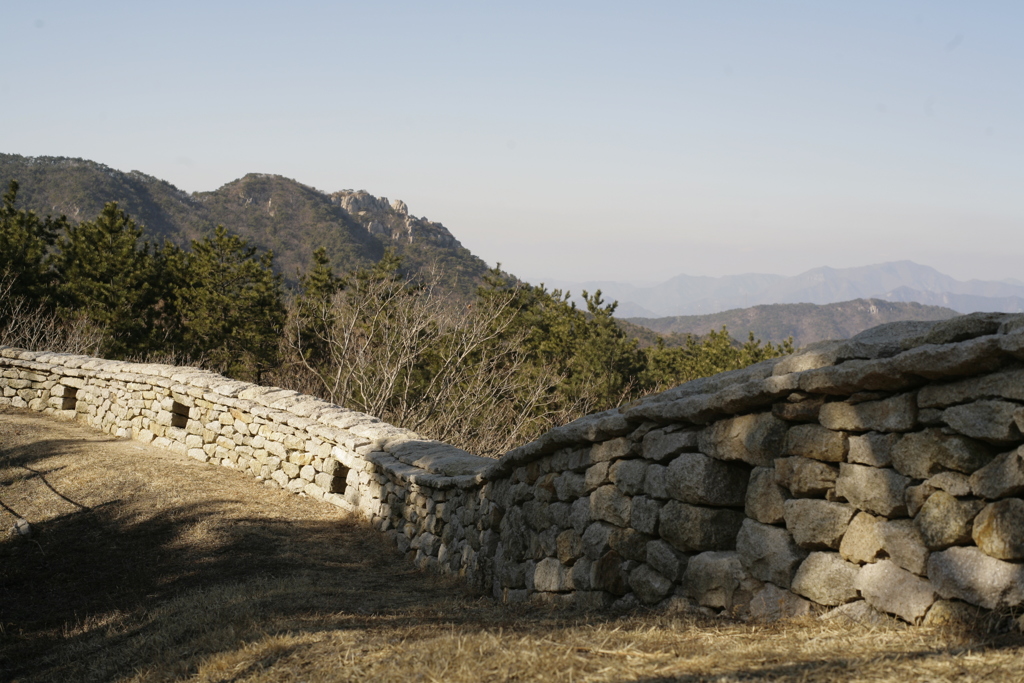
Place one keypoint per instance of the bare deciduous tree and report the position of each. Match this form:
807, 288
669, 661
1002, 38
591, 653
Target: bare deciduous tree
37, 328
418, 358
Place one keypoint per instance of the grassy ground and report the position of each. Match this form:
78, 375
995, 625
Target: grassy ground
150, 567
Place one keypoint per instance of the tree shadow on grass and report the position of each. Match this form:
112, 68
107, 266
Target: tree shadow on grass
123, 581
191, 568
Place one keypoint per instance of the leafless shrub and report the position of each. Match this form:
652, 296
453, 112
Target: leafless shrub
414, 356
34, 327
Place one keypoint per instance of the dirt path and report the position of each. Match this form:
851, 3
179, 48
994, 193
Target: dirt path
147, 566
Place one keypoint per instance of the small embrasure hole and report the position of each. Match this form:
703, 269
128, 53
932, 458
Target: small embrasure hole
179, 415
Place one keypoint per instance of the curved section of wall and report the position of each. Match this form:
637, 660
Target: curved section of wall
881, 473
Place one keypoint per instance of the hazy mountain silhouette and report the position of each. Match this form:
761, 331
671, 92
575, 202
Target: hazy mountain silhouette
899, 281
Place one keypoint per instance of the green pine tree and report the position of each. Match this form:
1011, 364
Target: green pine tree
109, 275
315, 314
597, 363
231, 306
25, 245
701, 357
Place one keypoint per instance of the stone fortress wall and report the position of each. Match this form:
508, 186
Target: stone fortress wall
883, 473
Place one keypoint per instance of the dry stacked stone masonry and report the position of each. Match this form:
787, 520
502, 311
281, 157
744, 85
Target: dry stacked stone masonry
880, 474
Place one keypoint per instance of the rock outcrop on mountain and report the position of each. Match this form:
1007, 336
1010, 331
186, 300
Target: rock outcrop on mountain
392, 219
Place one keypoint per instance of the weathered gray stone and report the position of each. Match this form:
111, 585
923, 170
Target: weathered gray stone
695, 478
596, 539
648, 584
853, 376
915, 497
862, 541
765, 498
817, 524
953, 483
644, 517
877, 490
691, 528
609, 504
612, 449
717, 579
1002, 477
656, 482
559, 514
805, 478
755, 439
964, 327
923, 454
569, 486
669, 562
805, 410
944, 520
596, 475
952, 613
902, 542
814, 441
970, 575
768, 552
579, 514
999, 529
891, 589
1012, 342
896, 414
608, 574
772, 603
989, 420
826, 578
1007, 384
537, 515
890, 338
936, 362
628, 475
570, 458
569, 546
872, 449
581, 574
629, 543
817, 355
543, 490
658, 446
550, 575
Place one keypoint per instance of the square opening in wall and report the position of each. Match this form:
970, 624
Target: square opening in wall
336, 481
70, 399
179, 415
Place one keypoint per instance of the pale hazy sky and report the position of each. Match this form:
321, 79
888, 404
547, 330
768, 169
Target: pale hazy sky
572, 140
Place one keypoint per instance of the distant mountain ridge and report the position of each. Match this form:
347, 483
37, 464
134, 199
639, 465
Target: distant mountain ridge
805, 323
899, 281
270, 211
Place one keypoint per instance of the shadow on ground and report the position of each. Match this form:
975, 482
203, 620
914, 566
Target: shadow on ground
164, 581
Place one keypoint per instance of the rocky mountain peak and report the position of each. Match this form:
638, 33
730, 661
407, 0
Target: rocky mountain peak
392, 219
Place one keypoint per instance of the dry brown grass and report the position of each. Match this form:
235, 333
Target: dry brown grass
150, 567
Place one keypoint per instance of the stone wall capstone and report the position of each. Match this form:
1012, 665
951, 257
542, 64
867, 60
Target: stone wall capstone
886, 470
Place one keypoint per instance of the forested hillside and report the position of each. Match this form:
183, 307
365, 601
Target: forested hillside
486, 368
269, 211
803, 323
